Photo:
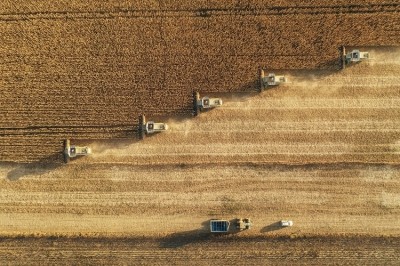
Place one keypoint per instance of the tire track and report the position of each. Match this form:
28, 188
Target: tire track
314, 103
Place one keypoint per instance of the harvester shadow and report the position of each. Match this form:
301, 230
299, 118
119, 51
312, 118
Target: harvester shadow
333, 65
205, 111
272, 227
246, 90
178, 118
181, 239
40, 167
353, 64
251, 86
200, 235
241, 96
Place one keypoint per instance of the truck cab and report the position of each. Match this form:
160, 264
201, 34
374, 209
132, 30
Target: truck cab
243, 224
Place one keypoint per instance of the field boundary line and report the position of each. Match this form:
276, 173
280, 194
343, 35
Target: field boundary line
202, 12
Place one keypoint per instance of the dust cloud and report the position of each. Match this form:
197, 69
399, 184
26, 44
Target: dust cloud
384, 56
184, 126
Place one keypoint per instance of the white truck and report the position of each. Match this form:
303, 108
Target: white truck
286, 223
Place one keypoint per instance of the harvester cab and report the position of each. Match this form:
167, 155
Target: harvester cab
71, 151
270, 80
204, 103
243, 224
150, 127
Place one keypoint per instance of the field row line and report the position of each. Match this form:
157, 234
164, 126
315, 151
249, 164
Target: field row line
201, 12
231, 154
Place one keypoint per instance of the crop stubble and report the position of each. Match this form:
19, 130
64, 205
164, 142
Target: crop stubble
107, 198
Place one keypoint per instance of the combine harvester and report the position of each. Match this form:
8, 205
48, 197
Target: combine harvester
150, 127
354, 56
199, 104
71, 151
270, 81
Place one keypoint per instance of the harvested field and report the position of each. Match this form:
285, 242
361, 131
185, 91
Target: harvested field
322, 150
112, 199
